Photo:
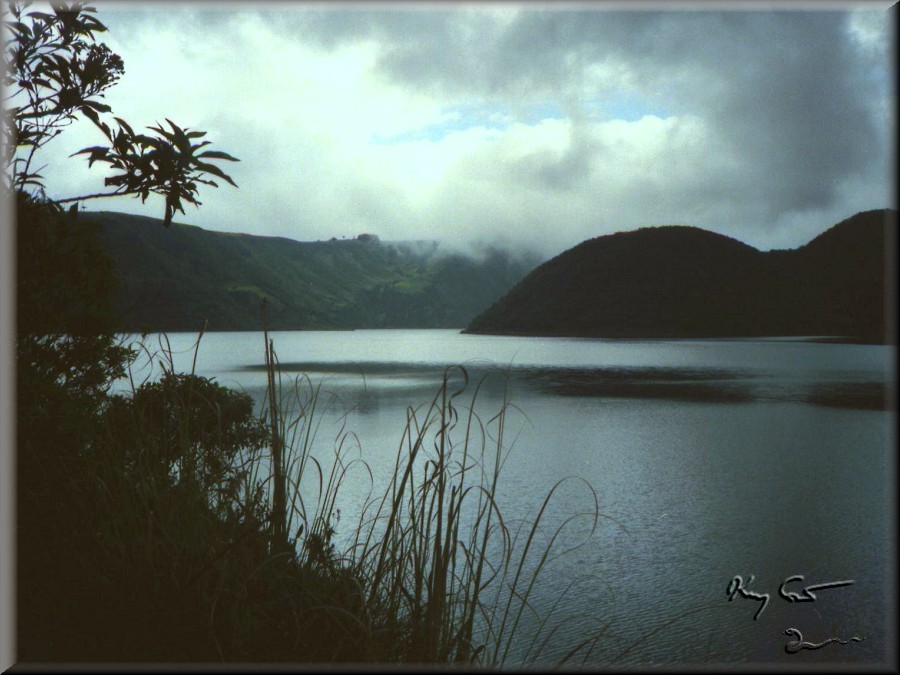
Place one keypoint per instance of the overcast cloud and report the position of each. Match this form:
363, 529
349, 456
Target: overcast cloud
527, 124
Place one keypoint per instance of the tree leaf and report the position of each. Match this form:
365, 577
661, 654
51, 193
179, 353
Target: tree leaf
145, 141
20, 27
180, 140
122, 123
162, 132
218, 154
211, 168
93, 148
99, 107
175, 128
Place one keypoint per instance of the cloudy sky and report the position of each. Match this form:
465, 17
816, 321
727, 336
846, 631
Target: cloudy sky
533, 124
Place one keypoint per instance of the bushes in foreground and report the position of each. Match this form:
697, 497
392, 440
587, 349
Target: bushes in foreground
157, 540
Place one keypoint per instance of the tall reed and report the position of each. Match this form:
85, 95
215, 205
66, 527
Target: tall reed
435, 572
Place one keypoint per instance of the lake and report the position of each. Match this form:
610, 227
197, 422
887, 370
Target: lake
711, 459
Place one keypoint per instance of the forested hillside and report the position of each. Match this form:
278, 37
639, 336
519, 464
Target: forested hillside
171, 279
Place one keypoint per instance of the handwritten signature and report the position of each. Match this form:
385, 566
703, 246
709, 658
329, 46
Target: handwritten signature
798, 644
808, 595
737, 586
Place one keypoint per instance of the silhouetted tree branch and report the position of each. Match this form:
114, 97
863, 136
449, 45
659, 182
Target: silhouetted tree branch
56, 72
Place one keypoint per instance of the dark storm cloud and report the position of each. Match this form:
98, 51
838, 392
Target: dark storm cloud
780, 91
451, 50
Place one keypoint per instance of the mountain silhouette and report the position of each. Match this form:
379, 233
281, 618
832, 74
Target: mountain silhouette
686, 282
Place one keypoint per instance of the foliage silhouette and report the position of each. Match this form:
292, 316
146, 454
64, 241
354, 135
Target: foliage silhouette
56, 72
201, 425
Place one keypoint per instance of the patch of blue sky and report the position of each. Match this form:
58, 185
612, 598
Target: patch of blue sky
627, 106
455, 118
486, 116
538, 112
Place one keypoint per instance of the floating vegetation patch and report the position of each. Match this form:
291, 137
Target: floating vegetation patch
855, 395
708, 385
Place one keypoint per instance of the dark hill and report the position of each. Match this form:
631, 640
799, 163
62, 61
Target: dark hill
173, 279
686, 282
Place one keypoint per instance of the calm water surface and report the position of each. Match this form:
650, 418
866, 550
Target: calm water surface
710, 459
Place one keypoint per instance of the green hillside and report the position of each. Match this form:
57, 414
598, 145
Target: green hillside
173, 279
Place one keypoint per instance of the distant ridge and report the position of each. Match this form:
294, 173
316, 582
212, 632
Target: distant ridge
680, 282
173, 279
